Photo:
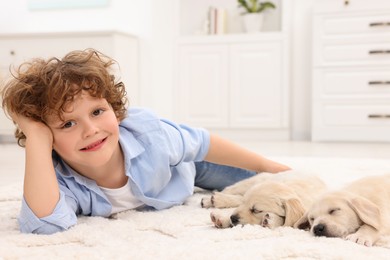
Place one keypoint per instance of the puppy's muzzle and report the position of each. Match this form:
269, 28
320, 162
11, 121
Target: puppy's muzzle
234, 219
319, 230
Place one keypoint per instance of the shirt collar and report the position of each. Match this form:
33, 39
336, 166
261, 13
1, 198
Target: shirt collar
63, 169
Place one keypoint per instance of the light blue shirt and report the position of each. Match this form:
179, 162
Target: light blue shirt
159, 160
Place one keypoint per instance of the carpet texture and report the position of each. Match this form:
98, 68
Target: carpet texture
186, 232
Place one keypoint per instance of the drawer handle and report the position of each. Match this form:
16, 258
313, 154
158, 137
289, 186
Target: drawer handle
380, 24
373, 52
375, 116
379, 82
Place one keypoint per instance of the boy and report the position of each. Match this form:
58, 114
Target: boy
86, 154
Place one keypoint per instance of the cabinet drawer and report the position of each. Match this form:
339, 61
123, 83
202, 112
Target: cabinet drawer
354, 82
339, 122
349, 25
17, 50
350, 6
356, 54
356, 115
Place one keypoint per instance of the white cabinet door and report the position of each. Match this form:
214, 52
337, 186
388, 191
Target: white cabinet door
203, 85
231, 86
255, 85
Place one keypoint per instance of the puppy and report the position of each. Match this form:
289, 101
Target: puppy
269, 200
360, 212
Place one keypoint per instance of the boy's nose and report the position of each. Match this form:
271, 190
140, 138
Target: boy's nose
90, 129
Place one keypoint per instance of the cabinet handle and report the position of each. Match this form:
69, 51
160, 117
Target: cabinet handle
380, 24
379, 82
373, 52
378, 116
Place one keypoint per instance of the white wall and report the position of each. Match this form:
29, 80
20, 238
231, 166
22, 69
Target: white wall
301, 70
150, 20
154, 23
130, 16
157, 52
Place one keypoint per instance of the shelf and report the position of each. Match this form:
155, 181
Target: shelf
193, 14
230, 38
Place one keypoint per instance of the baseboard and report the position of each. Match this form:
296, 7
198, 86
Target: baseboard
255, 135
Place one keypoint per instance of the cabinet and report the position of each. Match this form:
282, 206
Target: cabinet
17, 48
351, 71
236, 84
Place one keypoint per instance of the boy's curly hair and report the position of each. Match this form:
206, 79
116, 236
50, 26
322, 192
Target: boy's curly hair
40, 88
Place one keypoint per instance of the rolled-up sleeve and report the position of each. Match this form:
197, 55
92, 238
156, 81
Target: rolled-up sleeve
62, 218
186, 143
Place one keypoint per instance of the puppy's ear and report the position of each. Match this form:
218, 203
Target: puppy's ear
294, 211
303, 223
367, 211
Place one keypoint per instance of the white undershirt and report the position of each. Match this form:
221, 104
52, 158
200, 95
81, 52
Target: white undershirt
121, 198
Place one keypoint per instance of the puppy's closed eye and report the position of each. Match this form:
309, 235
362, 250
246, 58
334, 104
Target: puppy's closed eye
255, 211
333, 211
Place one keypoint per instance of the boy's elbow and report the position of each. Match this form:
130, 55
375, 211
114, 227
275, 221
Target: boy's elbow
62, 218
44, 229
46, 225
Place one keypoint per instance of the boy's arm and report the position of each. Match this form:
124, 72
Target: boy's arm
41, 190
225, 152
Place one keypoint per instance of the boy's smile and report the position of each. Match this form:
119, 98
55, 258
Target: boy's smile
94, 146
87, 136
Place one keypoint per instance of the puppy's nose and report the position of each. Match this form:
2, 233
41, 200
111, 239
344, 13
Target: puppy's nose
319, 230
234, 219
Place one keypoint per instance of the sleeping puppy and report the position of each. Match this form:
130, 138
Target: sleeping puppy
269, 200
360, 212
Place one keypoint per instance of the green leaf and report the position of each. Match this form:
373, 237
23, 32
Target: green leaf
255, 6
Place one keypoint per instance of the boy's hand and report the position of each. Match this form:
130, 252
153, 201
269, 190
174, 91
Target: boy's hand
31, 127
41, 190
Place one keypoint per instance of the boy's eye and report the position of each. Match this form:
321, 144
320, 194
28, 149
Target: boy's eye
97, 112
68, 124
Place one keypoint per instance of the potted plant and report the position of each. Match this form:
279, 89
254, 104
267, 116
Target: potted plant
253, 13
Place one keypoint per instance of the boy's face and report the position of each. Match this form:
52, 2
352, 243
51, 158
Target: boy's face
88, 135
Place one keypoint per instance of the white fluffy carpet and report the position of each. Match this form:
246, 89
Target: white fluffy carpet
186, 232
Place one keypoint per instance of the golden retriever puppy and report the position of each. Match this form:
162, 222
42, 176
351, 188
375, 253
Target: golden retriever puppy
269, 200
360, 212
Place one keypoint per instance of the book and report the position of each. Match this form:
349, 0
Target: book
217, 20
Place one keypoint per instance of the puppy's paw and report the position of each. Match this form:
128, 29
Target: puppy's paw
266, 220
220, 220
220, 200
360, 239
271, 220
207, 202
